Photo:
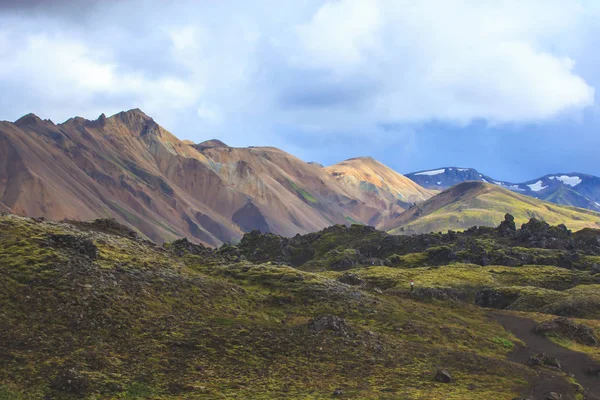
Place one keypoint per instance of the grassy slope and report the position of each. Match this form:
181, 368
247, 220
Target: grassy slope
539, 288
479, 204
138, 322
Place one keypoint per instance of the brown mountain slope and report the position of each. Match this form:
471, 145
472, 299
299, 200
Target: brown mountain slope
130, 168
125, 166
480, 204
382, 189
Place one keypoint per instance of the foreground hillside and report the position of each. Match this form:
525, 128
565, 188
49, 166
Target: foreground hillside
481, 204
89, 310
130, 168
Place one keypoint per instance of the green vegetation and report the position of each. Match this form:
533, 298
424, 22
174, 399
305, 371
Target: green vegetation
485, 205
91, 315
303, 193
504, 342
352, 221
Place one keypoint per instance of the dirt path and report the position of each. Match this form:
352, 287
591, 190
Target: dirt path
572, 362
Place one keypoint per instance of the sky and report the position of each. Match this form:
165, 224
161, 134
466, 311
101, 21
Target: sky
506, 87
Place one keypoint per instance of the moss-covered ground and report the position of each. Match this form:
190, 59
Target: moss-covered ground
85, 314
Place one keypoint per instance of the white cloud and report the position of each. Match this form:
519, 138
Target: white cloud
209, 114
334, 66
340, 33
62, 70
452, 60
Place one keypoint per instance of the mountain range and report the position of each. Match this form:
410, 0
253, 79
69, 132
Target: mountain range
130, 168
573, 189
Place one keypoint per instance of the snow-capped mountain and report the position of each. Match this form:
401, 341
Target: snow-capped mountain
444, 178
574, 189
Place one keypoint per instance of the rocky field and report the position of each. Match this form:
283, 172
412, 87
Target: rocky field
89, 310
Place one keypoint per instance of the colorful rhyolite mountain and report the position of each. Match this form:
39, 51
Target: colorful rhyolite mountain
573, 189
130, 168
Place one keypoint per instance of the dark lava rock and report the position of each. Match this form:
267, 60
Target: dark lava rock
595, 269
183, 246
81, 245
351, 279
544, 360
508, 226
70, 381
441, 254
330, 322
107, 225
536, 233
491, 298
443, 376
569, 329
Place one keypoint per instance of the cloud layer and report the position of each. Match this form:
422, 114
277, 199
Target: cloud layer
339, 66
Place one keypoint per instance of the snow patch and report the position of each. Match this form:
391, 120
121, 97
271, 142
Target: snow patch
568, 180
516, 187
462, 169
434, 172
598, 204
499, 183
484, 180
536, 187
439, 183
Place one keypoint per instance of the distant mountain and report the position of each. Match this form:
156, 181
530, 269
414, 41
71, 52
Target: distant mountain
573, 189
382, 190
128, 167
475, 203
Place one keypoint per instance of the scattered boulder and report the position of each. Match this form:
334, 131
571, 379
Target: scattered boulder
544, 360
440, 255
492, 298
508, 226
568, 329
555, 396
330, 322
595, 269
106, 225
443, 376
81, 245
183, 246
338, 392
351, 279
69, 380
536, 233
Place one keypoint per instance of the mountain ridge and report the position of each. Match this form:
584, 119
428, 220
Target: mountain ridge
476, 203
128, 167
574, 188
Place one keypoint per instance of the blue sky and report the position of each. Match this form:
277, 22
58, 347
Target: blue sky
506, 87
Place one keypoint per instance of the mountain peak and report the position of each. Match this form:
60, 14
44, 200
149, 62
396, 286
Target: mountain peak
210, 144
134, 112
365, 158
28, 119
136, 121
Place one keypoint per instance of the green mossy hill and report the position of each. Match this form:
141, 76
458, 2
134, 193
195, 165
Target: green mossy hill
86, 314
483, 204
